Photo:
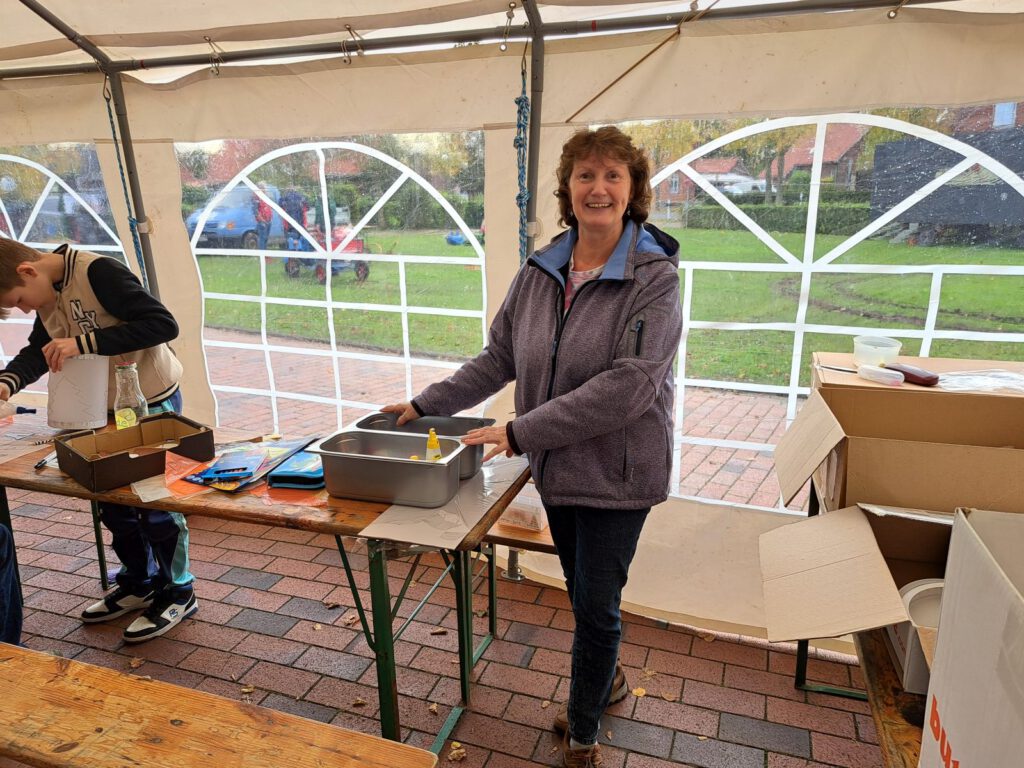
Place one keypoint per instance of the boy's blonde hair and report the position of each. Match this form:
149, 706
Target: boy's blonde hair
13, 253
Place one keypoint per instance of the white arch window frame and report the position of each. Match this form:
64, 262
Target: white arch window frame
328, 252
806, 265
53, 180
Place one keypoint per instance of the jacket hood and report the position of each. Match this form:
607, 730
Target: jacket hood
637, 245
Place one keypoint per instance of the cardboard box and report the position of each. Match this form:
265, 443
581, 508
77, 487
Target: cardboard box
975, 704
841, 572
101, 460
906, 448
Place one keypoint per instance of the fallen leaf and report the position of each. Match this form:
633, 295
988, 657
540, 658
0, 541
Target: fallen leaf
457, 755
480, 613
351, 619
317, 627
669, 697
439, 631
144, 677
553, 750
639, 692
545, 704
708, 637
136, 662
331, 605
433, 708
608, 735
248, 689
359, 702
702, 738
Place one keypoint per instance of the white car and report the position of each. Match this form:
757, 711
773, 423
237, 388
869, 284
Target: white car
743, 187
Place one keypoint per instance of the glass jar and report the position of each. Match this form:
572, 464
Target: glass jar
129, 403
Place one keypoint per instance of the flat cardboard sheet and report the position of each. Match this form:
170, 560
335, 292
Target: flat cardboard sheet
825, 577
696, 564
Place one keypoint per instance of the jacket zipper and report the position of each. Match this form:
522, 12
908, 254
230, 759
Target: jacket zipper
638, 329
559, 327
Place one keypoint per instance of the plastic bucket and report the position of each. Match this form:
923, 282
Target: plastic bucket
78, 393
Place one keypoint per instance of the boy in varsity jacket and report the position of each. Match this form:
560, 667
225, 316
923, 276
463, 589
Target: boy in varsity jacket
91, 304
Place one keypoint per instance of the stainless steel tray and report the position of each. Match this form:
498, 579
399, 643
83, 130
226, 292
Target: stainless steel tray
375, 466
444, 426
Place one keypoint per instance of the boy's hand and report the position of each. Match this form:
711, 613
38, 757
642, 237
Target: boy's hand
5, 393
59, 350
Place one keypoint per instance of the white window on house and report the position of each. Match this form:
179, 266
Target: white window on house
673, 184
1004, 115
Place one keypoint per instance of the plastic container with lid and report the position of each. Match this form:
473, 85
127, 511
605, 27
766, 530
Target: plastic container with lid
875, 350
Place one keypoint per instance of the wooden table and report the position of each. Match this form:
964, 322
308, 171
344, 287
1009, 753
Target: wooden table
340, 518
61, 713
898, 715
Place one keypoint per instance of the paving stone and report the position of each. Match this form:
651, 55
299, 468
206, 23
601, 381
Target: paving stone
334, 663
262, 622
246, 577
846, 752
498, 735
312, 610
712, 753
306, 709
765, 735
636, 737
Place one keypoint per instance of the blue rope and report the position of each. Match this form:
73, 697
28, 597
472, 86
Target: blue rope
522, 121
133, 223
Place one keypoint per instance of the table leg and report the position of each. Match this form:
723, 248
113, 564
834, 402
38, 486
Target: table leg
463, 575
383, 640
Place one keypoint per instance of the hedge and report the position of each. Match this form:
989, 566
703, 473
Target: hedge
833, 218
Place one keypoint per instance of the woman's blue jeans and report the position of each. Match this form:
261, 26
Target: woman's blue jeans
595, 547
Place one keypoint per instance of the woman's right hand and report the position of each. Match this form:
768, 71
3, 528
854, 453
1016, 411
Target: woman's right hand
405, 412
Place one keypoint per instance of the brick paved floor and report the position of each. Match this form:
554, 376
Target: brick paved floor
274, 628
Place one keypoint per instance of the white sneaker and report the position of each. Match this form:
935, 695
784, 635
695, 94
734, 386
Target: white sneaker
166, 612
117, 603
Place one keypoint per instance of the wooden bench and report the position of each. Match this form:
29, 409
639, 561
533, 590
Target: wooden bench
517, 539
60, 713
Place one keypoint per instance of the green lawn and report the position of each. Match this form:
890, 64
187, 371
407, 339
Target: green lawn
969, 302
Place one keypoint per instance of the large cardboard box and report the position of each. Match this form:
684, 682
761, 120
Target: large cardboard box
101, 460
975, 705
904, 448
841, 572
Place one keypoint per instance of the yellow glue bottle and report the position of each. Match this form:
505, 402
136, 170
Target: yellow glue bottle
433, 447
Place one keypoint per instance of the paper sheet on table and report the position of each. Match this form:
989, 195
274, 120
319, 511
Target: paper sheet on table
445, 527
151, 488
17, 442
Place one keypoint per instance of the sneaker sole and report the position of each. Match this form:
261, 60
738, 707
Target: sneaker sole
162, 630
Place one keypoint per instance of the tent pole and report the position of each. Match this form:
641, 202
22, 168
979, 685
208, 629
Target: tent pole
536, 96
117, 94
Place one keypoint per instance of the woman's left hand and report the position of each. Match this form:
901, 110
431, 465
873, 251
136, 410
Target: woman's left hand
488, 435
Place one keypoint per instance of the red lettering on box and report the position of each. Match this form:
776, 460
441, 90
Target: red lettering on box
939, 734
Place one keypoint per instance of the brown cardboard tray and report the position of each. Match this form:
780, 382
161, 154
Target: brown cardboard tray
105, 459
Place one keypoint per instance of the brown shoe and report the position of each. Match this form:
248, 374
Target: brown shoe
619, 690
589, 757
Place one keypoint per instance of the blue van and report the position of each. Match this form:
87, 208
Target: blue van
232, 223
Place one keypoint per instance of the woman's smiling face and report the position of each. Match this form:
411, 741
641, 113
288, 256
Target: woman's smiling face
599, 189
